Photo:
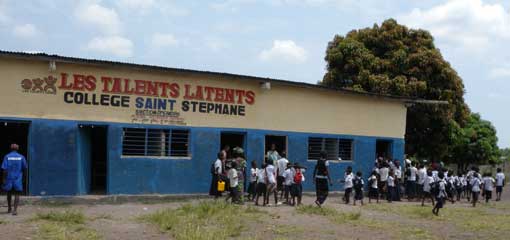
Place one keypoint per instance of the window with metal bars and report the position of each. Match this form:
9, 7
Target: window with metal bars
335, 148
155, 142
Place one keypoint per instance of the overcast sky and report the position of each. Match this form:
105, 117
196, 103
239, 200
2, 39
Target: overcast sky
268, 38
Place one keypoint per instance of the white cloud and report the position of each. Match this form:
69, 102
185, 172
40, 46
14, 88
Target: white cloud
163, 40
216, 44
25, 31
500, 72
105, 19
118, 46
138, 5
463, 23
286, 50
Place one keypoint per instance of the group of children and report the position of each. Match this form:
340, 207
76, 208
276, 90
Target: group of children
284, 180
264, 182
436, 184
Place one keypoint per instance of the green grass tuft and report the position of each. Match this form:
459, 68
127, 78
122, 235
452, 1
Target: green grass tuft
69, 217
206, 220
313, 210
56, 231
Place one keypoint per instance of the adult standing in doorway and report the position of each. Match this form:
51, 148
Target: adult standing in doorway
281, 164
216, 171
321, 178
13, 166
272, 154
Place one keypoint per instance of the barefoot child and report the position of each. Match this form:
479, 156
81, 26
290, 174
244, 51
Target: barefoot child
297, 188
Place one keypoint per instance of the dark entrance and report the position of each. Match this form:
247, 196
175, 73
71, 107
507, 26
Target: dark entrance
94, 158
383, 149
232, 140
15, 132
280, 143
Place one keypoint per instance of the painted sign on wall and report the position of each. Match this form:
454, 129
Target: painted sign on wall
154, 101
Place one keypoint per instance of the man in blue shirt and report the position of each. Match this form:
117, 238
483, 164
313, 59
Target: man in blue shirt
13, 166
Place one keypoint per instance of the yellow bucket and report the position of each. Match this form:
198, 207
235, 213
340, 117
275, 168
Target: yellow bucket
221, 186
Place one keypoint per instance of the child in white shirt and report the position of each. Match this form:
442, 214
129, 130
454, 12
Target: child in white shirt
488, 185
475, 187
287, 183
234, 181
348, 177
252, 188
391, 186
373, 190
441, 196
500, 183
427, 187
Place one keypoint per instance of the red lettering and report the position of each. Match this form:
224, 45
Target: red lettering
240, 96
79, 82
219, 97
90, 83
128, 90
163, 87
199, 94
174, 90
106, 82
250, 97
208, 93
116, 85
63, 82
187, 94
152, 88
140, 87
229, 95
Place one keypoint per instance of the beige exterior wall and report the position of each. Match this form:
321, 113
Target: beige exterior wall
285, 108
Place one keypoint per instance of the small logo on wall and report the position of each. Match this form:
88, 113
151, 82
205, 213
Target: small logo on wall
40, 85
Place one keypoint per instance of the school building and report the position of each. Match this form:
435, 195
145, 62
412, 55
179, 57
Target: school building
100, 127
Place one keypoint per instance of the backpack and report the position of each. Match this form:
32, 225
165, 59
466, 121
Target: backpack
434, 188
298, 177
357, 183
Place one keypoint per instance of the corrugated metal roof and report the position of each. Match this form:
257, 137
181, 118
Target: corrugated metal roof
105, 63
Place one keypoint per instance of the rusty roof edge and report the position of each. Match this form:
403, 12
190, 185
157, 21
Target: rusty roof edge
96, 62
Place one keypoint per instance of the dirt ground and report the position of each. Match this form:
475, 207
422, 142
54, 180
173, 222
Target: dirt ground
377, 221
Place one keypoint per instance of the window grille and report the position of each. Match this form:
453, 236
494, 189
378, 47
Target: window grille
155, 142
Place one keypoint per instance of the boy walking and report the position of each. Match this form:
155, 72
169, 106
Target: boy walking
500, 183
13, 166
488, 185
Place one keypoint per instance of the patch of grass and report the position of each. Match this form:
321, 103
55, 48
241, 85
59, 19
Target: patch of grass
103, 216
313, 210
3, 222
209, 220
286, 230
56, 231
406, 232
65, 225
69, 217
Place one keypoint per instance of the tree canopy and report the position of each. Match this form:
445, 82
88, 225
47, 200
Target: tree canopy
392, 59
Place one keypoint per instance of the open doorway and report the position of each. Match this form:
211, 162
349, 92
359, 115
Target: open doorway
231, 140
93, 140
383, 149
280, 143
15, 132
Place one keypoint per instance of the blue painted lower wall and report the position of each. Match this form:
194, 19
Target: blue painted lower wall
58, 164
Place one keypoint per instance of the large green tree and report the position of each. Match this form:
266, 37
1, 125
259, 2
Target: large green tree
475, 143
395, 60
